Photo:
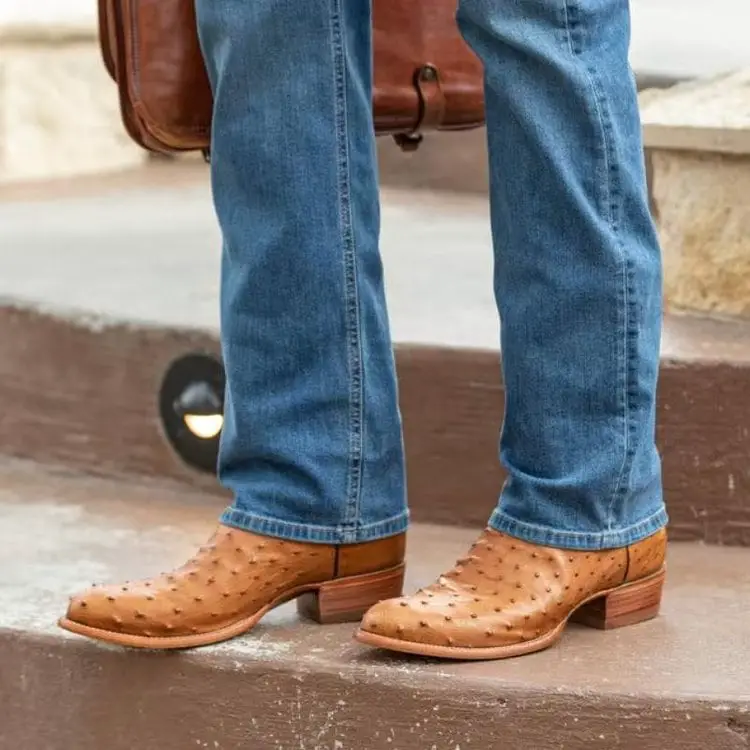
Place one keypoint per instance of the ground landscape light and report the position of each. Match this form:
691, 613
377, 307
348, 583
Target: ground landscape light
190, 405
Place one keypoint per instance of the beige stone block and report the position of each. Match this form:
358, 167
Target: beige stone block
698, 139
702, 202
59, 113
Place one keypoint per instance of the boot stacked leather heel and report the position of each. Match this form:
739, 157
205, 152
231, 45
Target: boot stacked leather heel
626, 605
347, 599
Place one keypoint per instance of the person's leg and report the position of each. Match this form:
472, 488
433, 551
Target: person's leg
578, 271
312, 443
312, 446
578, 287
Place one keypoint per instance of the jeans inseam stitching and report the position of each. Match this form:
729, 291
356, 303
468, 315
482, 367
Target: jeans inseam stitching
354, 348
614, 210
626, 360
631, 378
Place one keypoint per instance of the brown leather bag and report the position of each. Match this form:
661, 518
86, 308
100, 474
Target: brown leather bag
426, 77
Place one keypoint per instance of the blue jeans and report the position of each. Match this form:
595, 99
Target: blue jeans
312, 445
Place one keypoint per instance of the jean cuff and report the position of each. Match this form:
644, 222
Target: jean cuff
610, 539
302, 532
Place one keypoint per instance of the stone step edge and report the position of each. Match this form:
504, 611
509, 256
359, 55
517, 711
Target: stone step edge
96, 697
33, 34
696, 139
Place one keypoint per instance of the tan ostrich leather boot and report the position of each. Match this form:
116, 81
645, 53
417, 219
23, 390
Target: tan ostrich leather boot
232, 582
509, 597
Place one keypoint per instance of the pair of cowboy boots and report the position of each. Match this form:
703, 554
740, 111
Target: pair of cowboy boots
507, 597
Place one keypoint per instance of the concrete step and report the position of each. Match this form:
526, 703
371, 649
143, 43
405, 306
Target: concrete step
102, 290
679, 681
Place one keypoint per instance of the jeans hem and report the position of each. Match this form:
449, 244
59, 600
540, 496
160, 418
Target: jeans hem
302, 532
609, 539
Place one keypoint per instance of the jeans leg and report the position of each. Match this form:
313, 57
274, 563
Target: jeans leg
577, 271
312, 446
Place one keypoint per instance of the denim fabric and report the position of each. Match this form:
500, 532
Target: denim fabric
312, 443
577, 271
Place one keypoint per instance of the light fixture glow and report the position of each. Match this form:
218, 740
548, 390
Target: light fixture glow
204, 426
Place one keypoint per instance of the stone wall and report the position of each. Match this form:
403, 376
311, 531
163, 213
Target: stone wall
58, 109
697, 137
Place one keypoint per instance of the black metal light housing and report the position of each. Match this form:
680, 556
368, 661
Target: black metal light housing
191, 402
